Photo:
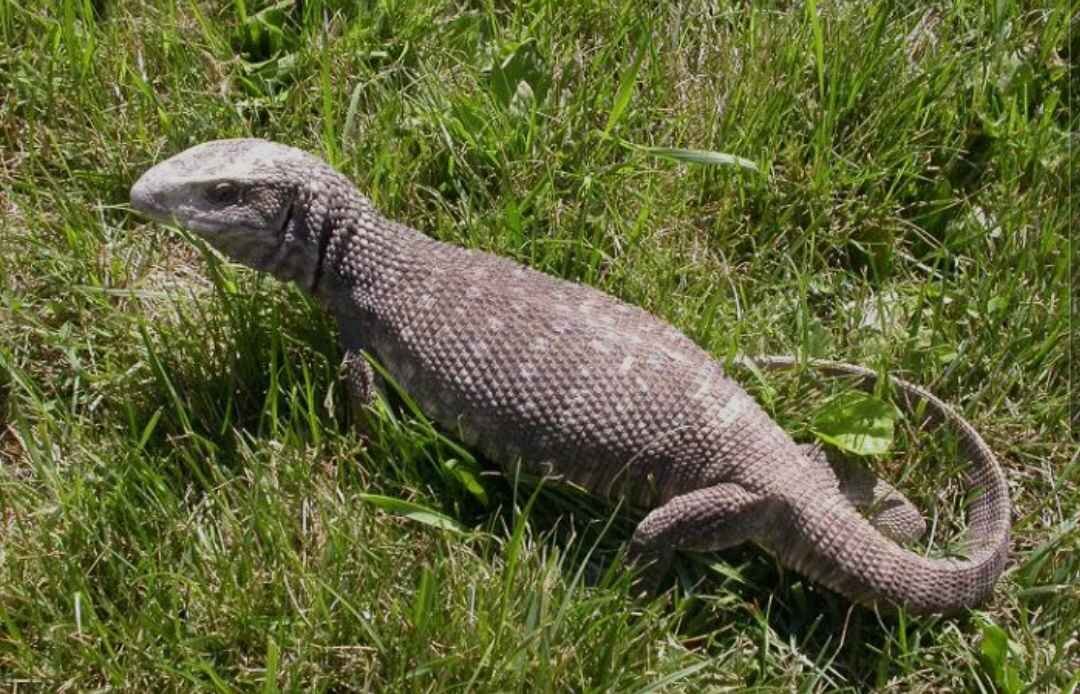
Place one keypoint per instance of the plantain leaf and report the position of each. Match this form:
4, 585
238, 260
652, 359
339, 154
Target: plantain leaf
856, 422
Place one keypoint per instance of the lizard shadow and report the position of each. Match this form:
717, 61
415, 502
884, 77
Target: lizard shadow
742, 587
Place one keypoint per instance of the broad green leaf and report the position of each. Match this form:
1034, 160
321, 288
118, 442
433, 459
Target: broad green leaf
994, 656
856, 422
416, 512
512, 65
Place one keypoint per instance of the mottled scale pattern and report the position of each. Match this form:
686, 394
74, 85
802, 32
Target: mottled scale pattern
574, 384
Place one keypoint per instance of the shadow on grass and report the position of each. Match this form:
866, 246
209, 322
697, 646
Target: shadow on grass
712, 592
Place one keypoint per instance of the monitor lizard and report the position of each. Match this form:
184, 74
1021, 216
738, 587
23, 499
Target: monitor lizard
575, 384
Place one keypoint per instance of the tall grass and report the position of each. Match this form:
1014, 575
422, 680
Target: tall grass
183, 502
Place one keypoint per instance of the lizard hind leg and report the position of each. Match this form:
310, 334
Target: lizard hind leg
884, 505
704, 520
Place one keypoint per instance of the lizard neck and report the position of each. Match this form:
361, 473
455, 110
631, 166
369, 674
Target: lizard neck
362, 256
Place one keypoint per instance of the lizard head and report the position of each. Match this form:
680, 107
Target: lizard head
260, 203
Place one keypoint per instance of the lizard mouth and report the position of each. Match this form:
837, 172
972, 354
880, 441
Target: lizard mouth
145, 202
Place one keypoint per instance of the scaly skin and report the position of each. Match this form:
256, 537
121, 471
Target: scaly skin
575, 384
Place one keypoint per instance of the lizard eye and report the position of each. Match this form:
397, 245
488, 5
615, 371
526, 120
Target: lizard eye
224, 193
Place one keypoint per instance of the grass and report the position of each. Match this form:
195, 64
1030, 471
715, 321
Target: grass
183, 502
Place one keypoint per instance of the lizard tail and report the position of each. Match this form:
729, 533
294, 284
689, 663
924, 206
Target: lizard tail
846, 553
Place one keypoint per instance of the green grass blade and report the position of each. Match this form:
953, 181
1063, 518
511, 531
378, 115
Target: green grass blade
626, 86
415, 512
699, 156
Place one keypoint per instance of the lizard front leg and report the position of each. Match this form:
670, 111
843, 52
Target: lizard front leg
362, 384
703, 520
